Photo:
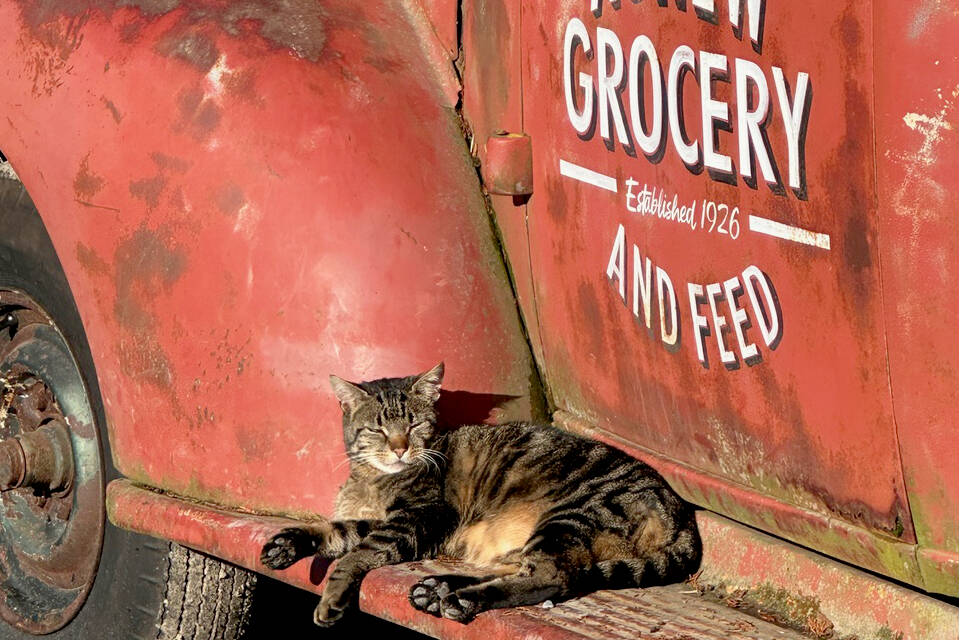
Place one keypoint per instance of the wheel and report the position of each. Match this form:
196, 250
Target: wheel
64, 570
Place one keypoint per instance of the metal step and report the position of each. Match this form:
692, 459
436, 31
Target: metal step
743, 568
675, 612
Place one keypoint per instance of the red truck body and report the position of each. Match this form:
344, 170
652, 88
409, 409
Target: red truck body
737, 258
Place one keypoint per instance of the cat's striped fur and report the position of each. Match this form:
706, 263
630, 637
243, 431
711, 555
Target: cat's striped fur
545, 513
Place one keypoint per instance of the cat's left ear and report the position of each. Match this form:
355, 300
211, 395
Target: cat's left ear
428, 384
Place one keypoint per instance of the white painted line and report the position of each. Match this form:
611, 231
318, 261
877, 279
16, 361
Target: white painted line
785, 231
583, 174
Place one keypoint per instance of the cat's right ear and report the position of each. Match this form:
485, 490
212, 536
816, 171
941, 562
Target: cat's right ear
349, 394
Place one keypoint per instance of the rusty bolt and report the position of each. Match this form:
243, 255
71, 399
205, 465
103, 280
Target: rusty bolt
12, 464
42, 459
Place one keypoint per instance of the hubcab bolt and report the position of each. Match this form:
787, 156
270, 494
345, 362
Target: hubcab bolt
41, 459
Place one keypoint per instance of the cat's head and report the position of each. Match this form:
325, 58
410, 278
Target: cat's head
390, 423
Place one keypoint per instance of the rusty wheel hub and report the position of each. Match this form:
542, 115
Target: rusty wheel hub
51, 474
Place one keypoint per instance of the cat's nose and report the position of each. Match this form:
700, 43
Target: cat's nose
400, 452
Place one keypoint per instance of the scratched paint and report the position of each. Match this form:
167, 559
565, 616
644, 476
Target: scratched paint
706, 248
293, 200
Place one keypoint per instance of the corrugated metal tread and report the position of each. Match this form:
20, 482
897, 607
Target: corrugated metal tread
674, 612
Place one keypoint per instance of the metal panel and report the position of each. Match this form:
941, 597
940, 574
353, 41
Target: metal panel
916, 97
774, 374
247, 197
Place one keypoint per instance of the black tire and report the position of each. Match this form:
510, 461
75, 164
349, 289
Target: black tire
144, 588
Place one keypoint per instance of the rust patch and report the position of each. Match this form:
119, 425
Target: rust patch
196, 49
112, 108
242, 84
151, 7
252, 444
297, 25
856, 244
53, 44
148, 190
145, 268
199, 117
87, 184
230, 198
90, 261
173, 163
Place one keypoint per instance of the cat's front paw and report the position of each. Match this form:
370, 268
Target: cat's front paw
327, 614
285, 548
458, 608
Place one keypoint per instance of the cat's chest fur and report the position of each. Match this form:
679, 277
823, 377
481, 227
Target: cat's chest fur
489, 528
362, 499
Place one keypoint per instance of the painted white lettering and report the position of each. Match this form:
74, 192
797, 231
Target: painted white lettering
705, 9
755, 9
667, 299
768, 312
615, 266
794, 120
751, 122
713, 111
596, 6
699, 320
748, 350
727, 357
608, 98
577, 33
683, 58
650, 141
641, 287
631, 196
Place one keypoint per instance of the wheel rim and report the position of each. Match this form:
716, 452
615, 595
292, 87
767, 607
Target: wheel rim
51, 473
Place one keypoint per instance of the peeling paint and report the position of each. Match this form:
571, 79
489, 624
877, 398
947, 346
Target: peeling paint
194, 48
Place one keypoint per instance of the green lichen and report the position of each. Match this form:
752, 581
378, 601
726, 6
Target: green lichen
886, 633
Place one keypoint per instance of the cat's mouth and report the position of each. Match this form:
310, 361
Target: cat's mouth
395, 465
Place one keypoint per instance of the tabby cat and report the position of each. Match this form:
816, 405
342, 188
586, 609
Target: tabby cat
545, 513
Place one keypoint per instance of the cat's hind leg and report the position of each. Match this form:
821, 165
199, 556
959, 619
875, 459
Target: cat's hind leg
540, 577
426, 594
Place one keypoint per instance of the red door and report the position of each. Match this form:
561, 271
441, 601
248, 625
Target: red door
705, 252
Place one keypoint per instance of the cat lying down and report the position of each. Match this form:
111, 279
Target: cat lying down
548, 514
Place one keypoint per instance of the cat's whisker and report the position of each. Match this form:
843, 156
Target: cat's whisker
361, 456
435, 456
427, 460
435, 453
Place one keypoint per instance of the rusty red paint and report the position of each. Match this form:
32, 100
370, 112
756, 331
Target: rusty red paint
743, 558
774, 418
916, 90
222, 240
492, 102
294, 200
810, 424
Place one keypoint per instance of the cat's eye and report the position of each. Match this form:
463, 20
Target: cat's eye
421, 426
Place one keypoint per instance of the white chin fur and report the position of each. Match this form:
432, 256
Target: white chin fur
389, 467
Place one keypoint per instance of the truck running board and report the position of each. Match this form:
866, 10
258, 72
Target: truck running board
744, 572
